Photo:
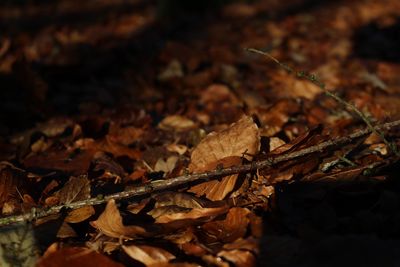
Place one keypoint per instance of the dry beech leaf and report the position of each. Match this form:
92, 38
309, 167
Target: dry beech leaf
166, 166
79, 215
180, 149
9, 181
176, 123
241, 139
179, 199
66, 231
110, 223
118, 150
234, 226
238, 257
215, 189
125, 136
76, 256
148, 255
178, 220
275, 142
77, 188
226, 148
250, 244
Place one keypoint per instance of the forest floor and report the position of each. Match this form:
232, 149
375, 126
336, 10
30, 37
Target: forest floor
105, 104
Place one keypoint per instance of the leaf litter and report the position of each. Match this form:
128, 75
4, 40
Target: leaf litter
193, 105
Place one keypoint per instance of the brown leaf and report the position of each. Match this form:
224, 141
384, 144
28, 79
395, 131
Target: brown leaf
239, 258
77, 188
179, 199
241, 139
79, 215
125, 136
148, 255
215, 189
118, 150
10, 179
76, 256
178, 220
110, 223
250, 244
234, 226
176, 123
73, 161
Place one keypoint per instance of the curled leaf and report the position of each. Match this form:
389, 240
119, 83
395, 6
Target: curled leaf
148, 255
241, 139
226, 149
110, 223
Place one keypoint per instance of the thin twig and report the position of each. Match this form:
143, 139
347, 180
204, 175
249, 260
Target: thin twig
187, 179
313, 79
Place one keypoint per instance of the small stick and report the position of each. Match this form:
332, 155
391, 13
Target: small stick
186, 179
313, 79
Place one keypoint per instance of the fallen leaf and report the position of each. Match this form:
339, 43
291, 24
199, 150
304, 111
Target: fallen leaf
10, 179
166, 166
176, 123
77, 188
80, 215
241, 139
234, 226
110, 223
173, 70
178, 220
239, 258
76, 256
118, 150
148, 255
125, 136
218, 189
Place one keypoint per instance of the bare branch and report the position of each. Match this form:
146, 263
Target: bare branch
187, 179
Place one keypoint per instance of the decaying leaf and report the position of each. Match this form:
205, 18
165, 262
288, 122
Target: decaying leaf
148, 255
167, 165
239, 258
176, 123
79, 215
177, 220
234, 226
225, 148
241, 139
76, 256
77, 188
10, 179
110, 223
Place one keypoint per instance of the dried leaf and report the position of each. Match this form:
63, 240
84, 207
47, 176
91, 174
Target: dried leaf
234, 226
110, 223
241, 139
166, 166
77, 188
183, 219
239, 258
80, 215
76, 256
176, 123
125, 136
179, 199
148, 255
75, 161
118, 150
10, 180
